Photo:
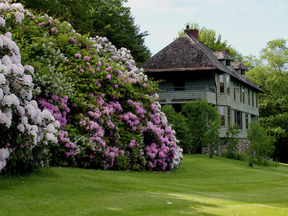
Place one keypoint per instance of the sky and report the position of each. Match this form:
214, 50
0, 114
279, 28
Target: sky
247, 25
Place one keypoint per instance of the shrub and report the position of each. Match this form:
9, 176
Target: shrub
108, 110
261, 145
178, 122
203, 122
232, 139
26, 132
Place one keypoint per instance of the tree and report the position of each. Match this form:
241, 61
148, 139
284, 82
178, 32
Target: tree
179, 125
105, 18
271, 75
211, 136
202, 122
231, 138
261, 145
210, 39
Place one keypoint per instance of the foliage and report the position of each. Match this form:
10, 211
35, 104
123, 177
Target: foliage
109, 112
211, 137
235, 155
203, 123
178, 122
105, 18
232, 139
26, 132
261, 145
210, 39
271, 75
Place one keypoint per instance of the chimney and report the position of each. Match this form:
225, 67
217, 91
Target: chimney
193, 32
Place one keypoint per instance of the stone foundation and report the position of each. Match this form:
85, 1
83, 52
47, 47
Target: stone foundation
242, 145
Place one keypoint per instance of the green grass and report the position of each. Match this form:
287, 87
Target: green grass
202, 186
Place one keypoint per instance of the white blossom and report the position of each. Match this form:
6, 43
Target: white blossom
2, 79
21, 128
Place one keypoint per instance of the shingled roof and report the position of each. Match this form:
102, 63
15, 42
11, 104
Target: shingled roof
239, 65
222, 54
186, 53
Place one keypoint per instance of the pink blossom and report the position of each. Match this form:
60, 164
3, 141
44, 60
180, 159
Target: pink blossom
53, 30
77, 55
108, 76
87, 58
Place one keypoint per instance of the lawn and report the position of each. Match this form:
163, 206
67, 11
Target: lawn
202, 186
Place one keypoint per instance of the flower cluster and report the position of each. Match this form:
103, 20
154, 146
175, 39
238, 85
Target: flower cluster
22, 124
4, 154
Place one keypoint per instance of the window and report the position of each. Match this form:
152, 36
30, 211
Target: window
228, 62
247, 121
229, 114
222, 115
234, 91
240, 94
252, 98
179, 85
228, 83
221, 77
248, 97
243, 94
253, 118
238, 118
243, 72
256, 100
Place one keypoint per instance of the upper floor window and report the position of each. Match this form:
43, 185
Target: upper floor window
228, 62
252, 98
248, 97
242, 72
240, 94
256, 100
221, 77
228, 83
243, 94
222, 115
234, 91
179, 85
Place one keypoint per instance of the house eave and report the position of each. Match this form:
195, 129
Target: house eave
149, 70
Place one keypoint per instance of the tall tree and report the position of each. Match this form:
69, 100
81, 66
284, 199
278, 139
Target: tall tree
212, 40
203, 124
272, 76
106, 18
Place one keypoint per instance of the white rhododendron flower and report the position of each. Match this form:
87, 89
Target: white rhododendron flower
21, 128
51, 128
9, 100
2, 79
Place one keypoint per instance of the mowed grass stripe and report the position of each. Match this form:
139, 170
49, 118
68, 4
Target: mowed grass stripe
202, 186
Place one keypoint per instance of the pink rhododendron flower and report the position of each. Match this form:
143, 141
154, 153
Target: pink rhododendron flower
53, 30
78, 55
87, 58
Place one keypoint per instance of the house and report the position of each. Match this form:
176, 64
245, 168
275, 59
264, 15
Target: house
190, 70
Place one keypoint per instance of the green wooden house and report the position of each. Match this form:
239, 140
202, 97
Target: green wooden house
190, 71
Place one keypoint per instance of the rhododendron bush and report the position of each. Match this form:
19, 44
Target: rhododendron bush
103, 109
24, 128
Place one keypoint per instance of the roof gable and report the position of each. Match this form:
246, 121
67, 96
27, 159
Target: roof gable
181, 53
186, 53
